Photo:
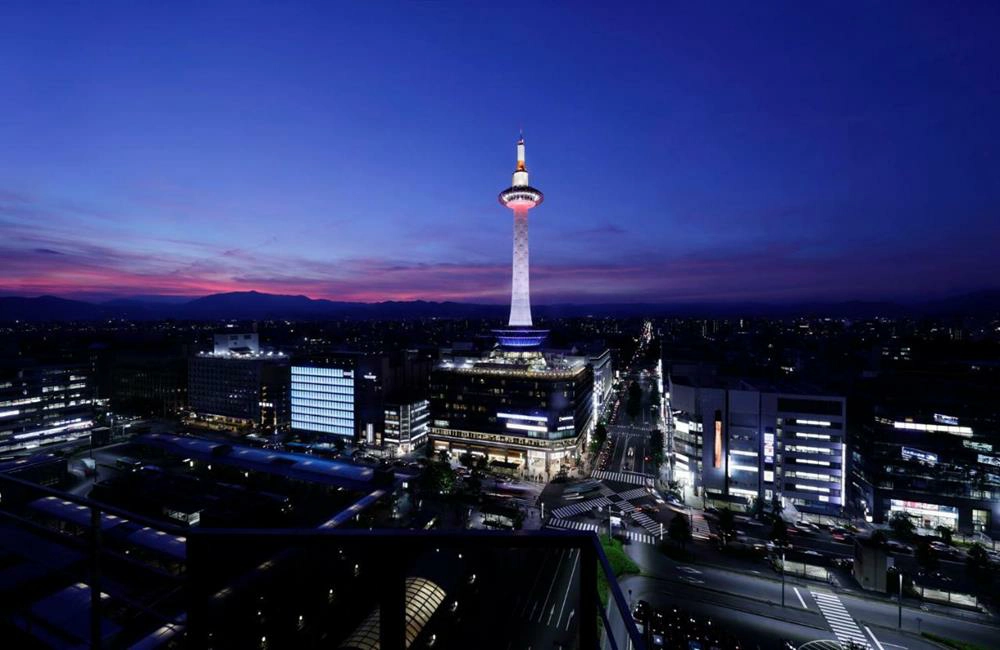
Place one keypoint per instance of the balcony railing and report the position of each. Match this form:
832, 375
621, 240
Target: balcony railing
305, 588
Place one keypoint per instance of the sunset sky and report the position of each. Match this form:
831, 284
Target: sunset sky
688, 152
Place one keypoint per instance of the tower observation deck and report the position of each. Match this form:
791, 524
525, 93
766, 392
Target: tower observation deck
520, 197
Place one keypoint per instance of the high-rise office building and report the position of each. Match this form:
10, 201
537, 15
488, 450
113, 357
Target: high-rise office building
43, 402
406, 425
347, 393
734, 441
339, 394
322, 399
239, 386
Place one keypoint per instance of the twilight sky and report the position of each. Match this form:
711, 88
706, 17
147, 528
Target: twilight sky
687, 151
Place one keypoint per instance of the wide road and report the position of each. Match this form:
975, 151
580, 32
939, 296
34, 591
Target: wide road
544, 614
632, 452
749, 603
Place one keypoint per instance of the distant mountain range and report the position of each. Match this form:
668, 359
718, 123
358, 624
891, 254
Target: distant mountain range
252, 305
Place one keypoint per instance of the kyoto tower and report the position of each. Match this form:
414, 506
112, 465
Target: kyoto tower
520, 197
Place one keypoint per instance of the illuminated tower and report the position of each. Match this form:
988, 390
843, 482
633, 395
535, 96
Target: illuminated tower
520, 197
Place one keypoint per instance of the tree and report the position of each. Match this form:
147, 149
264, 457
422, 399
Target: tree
978, 564
601, 433
600, 437
467, 460
438, 477
442, 455
679, 529
901, 525
779, 531
756, 509
945, 533
925, 555
777, 506
879, 537
656, 447
727, 524
473, 483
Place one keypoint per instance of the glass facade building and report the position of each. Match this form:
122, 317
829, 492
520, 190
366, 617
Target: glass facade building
44, 403
323, 400
406, 425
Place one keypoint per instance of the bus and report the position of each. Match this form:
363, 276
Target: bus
579, 490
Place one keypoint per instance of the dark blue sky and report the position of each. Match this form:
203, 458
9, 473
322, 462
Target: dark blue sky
688, 151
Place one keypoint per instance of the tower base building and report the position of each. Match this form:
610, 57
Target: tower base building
526, 412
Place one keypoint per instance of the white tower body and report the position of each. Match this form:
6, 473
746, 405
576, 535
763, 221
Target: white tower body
521, 197
520, 288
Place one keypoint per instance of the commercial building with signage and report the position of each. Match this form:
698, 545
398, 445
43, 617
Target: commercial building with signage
940, 469
736, 441
528, 411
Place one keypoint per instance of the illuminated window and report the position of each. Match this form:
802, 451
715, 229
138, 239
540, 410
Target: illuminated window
717, 460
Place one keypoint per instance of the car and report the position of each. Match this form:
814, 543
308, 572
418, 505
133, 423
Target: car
641, 612
899, 547
658, 630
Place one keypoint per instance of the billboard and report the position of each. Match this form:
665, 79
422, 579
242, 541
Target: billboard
909, 453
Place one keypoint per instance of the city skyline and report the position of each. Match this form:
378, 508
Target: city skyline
690, 157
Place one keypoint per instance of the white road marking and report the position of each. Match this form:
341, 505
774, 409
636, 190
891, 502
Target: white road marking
872, 635
569, 618
572, 525
569, 586
555, 576
839, 620
796, 590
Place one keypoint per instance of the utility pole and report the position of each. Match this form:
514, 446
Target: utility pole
899, 623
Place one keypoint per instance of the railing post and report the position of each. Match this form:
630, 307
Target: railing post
392, 604
588, 596
95, 578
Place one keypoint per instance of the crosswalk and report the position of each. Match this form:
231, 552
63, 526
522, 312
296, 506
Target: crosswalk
642, 538
634, 493
840, 621
574, 509
699, 526
570, 524
644, 520
622, 477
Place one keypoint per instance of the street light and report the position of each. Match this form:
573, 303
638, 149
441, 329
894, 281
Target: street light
782, 578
